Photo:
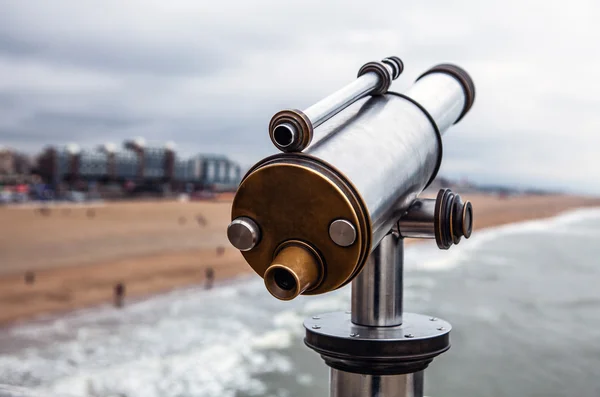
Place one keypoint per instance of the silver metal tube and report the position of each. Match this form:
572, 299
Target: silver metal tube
418, 222
339, 100
387, 146
294, 131
346, 384
377, 290
445, 107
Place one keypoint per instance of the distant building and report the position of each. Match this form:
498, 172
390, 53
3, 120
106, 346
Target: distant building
14, 166
139, 167
22, 164
7, 162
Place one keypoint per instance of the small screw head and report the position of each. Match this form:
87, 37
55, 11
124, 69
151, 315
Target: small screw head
316, 327
440, 328
243, 233
316, 317
409, 336
433, 319
354, 335
342, 232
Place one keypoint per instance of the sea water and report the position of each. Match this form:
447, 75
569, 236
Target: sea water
523, 299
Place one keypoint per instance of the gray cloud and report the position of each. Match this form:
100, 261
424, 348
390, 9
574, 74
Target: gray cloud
209, 75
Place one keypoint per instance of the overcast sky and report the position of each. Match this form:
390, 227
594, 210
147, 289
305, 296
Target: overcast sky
208, 75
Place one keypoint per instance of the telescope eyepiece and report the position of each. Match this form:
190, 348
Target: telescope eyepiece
296, 269
284, 279
284, 135
290, 130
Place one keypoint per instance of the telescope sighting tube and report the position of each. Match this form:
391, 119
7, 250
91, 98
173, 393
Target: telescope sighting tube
293, 130
306, 222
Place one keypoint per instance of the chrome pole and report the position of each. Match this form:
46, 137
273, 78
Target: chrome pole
377, 290
347, 384
341, 99
377, 294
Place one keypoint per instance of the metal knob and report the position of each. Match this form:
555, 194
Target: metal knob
453, 219
243, 233
342, 232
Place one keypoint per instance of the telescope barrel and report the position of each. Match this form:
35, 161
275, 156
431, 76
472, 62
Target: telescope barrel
294, 130
335, 202
389, 147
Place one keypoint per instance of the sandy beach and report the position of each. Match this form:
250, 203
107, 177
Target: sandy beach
78, 254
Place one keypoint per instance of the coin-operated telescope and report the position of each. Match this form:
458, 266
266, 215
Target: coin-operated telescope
334, 207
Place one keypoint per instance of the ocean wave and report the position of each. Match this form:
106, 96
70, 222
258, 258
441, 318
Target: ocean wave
172, 358
193, 342
276, 339
215, 370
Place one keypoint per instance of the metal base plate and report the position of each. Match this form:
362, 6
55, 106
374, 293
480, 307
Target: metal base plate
406, 348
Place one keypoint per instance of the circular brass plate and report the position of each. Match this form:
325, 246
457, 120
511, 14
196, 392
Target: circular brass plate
294, 202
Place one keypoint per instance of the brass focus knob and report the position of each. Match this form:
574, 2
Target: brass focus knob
295, 269
453, 219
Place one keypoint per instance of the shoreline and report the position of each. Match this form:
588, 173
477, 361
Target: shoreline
152, 269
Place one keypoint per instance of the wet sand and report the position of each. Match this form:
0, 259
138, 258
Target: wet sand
78, 254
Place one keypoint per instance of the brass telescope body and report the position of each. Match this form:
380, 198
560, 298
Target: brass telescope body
269, 195
319, 214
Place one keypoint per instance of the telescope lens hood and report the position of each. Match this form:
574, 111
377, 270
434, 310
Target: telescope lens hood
462, 77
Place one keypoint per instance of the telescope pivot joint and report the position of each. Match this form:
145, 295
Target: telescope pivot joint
446, 218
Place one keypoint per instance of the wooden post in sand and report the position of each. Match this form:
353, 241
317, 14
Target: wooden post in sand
29, 277
210, 276
119, 294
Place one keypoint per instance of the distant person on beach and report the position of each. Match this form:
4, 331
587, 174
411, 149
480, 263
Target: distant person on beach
29, 277
119, 294
210, 276
201, 220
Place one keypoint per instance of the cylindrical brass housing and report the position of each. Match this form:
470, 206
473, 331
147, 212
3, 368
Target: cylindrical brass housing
296, 269
295, 198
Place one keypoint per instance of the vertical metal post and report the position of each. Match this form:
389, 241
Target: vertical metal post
347, 384
377, 302
377, 290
